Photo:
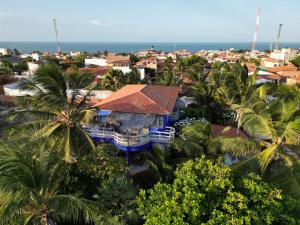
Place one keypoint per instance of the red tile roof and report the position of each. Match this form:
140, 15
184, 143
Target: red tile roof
146, 99
281, 68
218, 130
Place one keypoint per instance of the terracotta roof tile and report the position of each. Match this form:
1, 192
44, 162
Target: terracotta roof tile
147, 99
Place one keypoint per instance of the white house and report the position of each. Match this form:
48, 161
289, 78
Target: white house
285, 54
96, 61
123, 65
33, 67
4, 51
15, 90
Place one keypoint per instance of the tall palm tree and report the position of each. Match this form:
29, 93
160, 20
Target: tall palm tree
55, 113
277, 127
117, 196
114, 80
30, 178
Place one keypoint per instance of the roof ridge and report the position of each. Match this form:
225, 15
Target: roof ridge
152, 100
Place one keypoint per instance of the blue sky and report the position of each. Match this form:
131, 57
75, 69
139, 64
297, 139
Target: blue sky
148, 20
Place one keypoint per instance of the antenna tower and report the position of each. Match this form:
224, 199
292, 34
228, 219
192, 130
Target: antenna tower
256, 30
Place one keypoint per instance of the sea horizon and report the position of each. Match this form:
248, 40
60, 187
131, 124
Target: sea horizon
131, 47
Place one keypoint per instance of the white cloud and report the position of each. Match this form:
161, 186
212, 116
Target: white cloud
96, 22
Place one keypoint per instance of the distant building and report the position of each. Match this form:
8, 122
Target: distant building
74, 54
123, 65
269, 62
285, 54
136, 117
95, 62
183, 53
34, 66
5, 51
293, 80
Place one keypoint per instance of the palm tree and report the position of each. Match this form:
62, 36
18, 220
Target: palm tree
197, 139
30, 178
114, 80
157, 160
117, 196
54, 113
277, 127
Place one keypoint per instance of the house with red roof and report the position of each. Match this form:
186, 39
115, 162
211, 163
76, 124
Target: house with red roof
137, 116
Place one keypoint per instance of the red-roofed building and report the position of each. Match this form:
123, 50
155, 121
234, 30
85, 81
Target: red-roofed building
139, 115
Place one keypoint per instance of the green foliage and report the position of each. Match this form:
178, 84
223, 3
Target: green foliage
54, 114
117, 196
30, 176
95, 167
193, 138
114, 80
208, 193
20, 67
296, 61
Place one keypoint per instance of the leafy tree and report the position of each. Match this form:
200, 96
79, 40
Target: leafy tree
93, 168
133, 59
296, 61
105, 53
6, 68
30, 176
20, 67
55, 114
133, 77
208, 193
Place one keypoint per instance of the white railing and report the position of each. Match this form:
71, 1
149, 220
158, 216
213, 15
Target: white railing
163, 136
133, 140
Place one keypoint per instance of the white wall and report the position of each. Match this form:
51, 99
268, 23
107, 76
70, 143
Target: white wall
4, 51
124, 69
95, 61
14, 90
32, 67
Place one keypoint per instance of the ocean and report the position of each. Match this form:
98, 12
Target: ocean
118, 47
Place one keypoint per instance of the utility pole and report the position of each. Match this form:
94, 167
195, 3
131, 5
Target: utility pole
58, 49
256, 30
278, 37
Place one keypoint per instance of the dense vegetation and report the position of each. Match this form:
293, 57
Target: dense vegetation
52, 173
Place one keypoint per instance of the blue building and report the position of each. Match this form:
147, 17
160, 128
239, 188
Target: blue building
136, 117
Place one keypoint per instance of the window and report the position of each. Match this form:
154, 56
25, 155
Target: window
158, 122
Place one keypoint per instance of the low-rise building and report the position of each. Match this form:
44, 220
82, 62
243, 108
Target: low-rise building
123, 65
5, 51
95, 62
136, 117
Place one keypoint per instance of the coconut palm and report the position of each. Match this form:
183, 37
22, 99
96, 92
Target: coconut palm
114, 80
117, 196
30, 178
277, 127
55, 113
197, 139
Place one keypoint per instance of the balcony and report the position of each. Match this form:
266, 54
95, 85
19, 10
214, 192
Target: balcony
133, 142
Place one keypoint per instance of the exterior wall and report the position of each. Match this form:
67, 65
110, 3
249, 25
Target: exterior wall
32, 67
124, 69
95, 61
142, 73
4, 51
292, 81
